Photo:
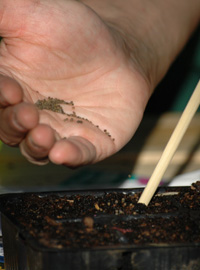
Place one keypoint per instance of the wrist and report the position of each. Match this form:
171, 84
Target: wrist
151, 33
130, 30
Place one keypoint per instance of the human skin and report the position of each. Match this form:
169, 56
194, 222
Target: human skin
105, 56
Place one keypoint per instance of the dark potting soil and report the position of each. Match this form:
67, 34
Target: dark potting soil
59, 220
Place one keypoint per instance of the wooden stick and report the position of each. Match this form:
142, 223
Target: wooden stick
171, 146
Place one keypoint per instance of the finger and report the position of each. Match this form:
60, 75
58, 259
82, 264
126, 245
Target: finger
37, 144
73, 152
10, 91
16, 121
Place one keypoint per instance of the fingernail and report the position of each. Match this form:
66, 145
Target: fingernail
18, 125
31, 141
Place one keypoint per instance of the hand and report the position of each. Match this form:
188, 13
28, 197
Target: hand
63, 50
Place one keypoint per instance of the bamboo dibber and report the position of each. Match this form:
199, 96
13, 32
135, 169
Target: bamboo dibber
171, 146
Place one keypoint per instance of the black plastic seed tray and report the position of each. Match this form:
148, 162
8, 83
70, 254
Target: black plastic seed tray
102, 230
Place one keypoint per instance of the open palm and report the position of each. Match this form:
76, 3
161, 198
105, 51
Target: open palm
61, 51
